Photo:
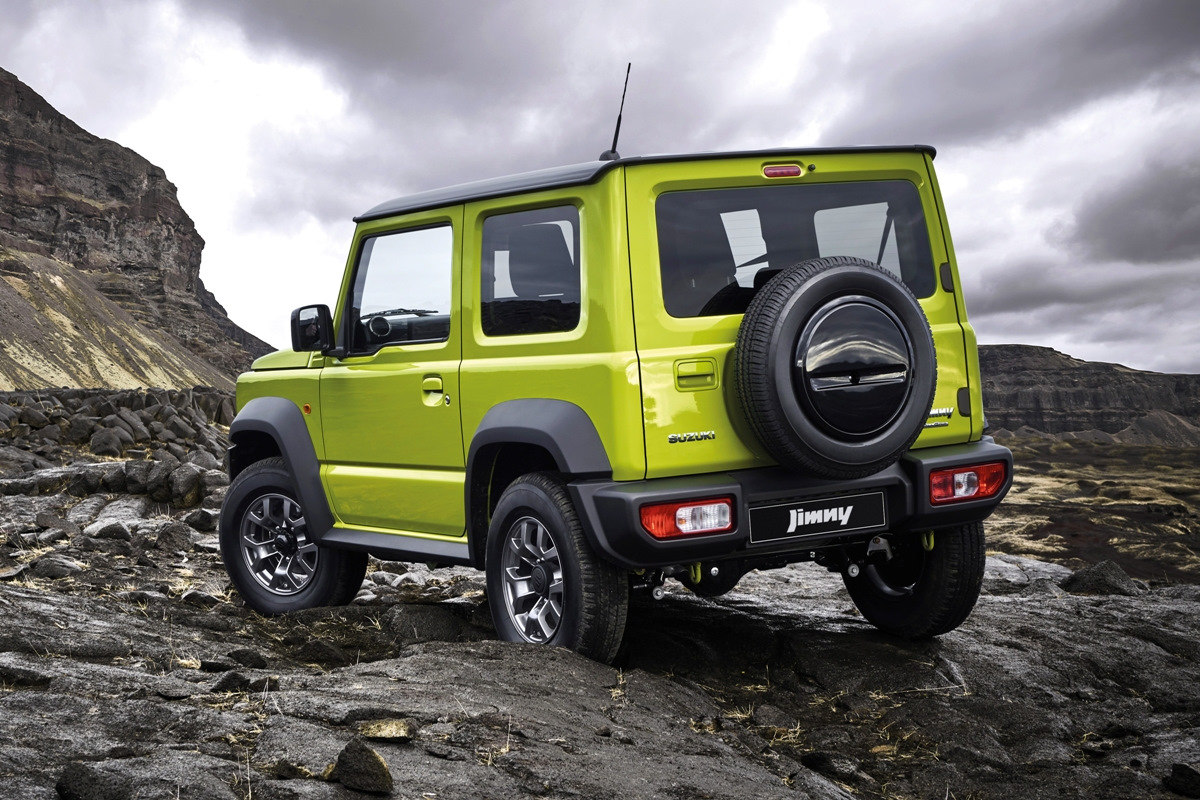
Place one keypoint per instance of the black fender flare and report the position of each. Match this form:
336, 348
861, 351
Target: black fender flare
282, 421
561, 428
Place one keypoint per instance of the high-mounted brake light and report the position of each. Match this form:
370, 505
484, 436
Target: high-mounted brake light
966, 483
783, 171
670, 520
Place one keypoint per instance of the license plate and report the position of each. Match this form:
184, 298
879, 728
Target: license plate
818, 517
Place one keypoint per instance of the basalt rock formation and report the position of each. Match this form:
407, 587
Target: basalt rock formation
1037, 390
99, 264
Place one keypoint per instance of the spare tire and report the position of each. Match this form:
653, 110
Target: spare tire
835, 367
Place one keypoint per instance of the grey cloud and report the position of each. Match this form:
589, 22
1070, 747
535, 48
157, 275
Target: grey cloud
1001, 74
1139, 315
1152, 216
1059, 282
89, 57
17, 16
492, 89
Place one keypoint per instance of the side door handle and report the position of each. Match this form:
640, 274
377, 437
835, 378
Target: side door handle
433, 392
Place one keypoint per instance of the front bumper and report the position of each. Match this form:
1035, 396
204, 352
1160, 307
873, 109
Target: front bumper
611, 510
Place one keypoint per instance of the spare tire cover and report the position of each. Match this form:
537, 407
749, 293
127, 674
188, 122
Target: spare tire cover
835, 367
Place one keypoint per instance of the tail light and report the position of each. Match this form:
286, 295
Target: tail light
966, 483
690, 518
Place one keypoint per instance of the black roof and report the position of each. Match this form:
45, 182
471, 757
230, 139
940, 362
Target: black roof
588, 172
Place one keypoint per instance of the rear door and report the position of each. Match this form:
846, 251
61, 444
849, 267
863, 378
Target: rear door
705, 234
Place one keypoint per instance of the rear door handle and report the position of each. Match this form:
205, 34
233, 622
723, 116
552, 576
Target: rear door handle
695, 374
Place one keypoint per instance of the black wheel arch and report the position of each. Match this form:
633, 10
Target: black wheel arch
274, 426
539, 434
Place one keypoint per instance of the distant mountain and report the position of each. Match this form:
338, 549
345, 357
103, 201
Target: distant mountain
99, 265
1031, 390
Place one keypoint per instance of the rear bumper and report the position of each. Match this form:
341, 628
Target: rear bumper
610, 510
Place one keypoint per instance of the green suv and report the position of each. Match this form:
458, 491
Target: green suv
588, 379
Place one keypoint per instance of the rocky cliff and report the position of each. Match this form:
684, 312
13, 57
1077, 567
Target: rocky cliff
100, 265
1043, 391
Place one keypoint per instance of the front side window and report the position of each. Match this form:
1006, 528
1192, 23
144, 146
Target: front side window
530, 272
402, 289
717, 247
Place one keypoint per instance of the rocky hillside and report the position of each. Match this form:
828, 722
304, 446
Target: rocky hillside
1036, 390
100, 265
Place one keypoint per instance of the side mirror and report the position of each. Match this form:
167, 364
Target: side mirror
312, 329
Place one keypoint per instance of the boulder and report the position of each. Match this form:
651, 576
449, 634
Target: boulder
33, 417
105, 442
1103, 578
175, 537
360, 767
109, 529
54, 566
186, 486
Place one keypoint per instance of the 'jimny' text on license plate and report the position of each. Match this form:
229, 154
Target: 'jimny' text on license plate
818, 517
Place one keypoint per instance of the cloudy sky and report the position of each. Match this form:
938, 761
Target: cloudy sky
1068, 133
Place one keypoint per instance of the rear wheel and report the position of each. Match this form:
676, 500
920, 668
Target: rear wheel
269, 553
928, 587
545, 584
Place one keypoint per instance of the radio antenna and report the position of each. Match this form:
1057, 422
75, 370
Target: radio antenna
612, 154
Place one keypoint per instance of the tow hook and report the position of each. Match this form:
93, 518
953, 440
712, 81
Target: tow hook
879, 546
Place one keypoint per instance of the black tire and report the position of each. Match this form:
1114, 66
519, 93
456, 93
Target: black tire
922, 593
727, 577
545, 584
835, 367
267, 553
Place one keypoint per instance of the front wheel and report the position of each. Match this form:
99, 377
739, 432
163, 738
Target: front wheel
929, 585
268, 550
545, 584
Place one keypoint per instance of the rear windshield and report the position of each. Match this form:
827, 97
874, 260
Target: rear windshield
718, 246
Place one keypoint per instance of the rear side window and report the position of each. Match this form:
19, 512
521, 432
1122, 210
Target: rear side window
717, 247
530, 272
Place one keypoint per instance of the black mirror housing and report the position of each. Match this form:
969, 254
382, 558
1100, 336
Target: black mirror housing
312, 329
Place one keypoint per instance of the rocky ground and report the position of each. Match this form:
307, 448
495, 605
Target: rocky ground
1080, 502
128, 668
